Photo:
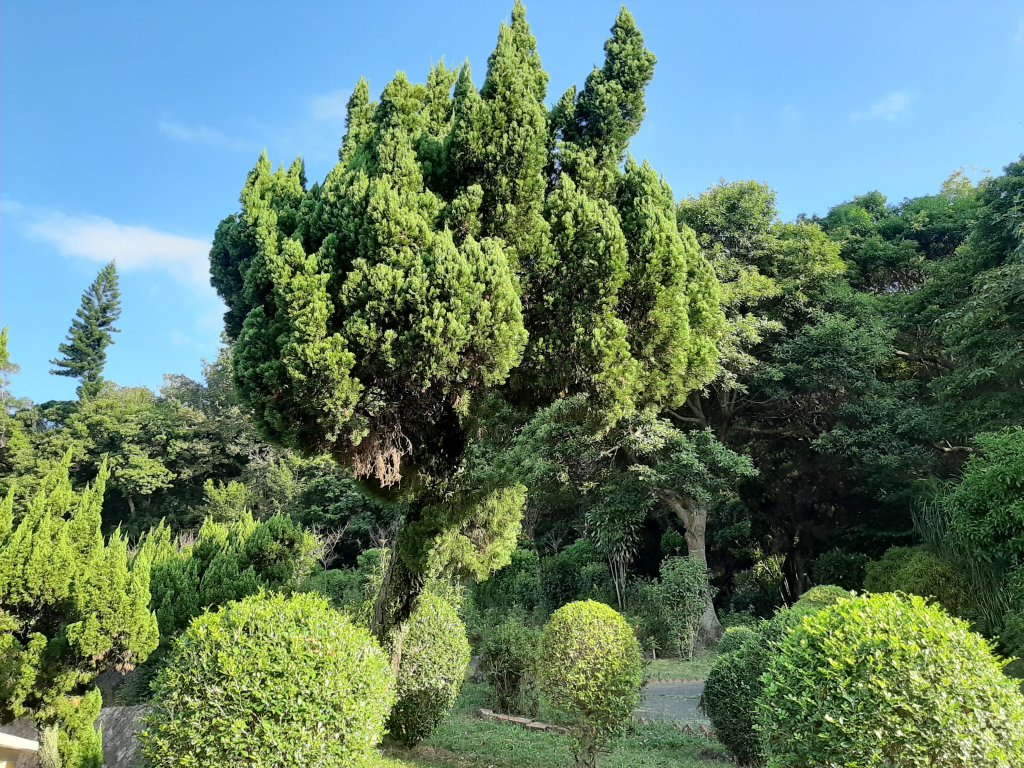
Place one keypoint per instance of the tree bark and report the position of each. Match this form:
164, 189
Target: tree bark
694, 518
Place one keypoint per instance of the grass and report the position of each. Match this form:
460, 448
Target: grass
696, 668
466, 741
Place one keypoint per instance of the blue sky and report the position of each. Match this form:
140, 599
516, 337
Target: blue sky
127, 128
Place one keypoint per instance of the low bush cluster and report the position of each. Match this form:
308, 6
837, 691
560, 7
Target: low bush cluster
843, 569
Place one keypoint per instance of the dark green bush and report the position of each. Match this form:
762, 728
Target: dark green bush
732, 687
590, 671
917, 571
270, 681
735, 637
516, 586
508, 661
343, 587
578, 572
844, 569
760, 589
673, 543
734, 684
434, 655
888, 679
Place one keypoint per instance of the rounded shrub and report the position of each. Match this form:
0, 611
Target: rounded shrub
889, 680
270, 681
590, 671
734, 638
917, 571
434, 655
822, 597
509, 664
732, 687
734, 683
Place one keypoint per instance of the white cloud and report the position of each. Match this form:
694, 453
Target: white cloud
329, 107
100, 239
892, 107
199, 134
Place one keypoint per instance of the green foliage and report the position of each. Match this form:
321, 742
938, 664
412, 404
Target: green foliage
467, 245
685, 594
889, 679
78, 743
575, 573
516, 586
508, 660
434, 655
918, 571
844, 569
85, 352
590, 671
735, 684
761, 588
71, 605
734, 637
821, 596
271, 681
731, 691
227, 561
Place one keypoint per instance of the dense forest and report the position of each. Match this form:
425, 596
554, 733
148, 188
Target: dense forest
492, 354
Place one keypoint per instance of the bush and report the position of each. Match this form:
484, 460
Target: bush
889, 680
917, 571
686, 595
760, 589
578, 572
509, 664
270, 681
822, 597
516, 586
844, 569
434, 656
734, 638
590, 671
734, 684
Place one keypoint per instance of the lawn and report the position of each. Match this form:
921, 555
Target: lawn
696, 668
466, 741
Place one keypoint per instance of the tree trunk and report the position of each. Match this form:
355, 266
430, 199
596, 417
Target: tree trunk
398, 592
695, 521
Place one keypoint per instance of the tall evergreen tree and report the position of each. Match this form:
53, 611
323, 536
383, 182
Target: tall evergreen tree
85, 352
71, 606
447, 262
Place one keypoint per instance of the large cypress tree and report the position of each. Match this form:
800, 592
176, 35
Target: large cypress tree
453, 258
84, 353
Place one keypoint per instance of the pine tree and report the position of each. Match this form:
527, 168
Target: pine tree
467, 248
71, 606
84, 354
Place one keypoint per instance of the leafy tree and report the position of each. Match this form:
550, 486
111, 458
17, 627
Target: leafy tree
450, 255
85, 352
15, 446
71, 606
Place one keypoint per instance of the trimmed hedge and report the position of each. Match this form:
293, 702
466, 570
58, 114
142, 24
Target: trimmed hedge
917, 571
735, 637
590, 670
434, 657
270, 680
888, 679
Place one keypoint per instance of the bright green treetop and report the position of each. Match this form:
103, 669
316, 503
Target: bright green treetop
84, 354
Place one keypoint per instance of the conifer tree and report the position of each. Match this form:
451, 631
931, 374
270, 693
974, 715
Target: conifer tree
84, 354
465, 249
71, 607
